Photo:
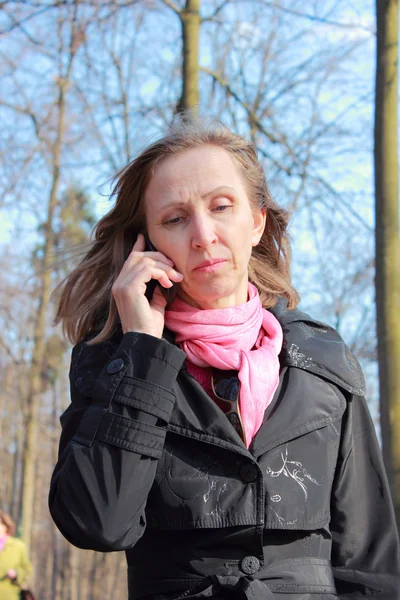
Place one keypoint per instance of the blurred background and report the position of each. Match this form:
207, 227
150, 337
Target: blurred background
84, 85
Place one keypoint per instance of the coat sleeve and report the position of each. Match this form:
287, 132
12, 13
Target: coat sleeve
365, 544
112, 438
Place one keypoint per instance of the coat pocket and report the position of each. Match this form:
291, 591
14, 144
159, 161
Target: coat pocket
298, 476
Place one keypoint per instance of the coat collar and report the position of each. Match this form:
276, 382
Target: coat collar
313, 346
309, 346
316, 347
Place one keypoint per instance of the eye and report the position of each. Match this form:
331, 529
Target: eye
222, 207
173, 221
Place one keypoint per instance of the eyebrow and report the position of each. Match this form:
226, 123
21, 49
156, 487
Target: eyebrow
218, 190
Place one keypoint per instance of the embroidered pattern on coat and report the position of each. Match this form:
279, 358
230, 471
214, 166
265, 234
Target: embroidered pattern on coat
299, 359
311, 331
297, 474
204, 471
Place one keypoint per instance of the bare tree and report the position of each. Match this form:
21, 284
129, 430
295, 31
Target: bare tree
55, 148
75, 113
190, 22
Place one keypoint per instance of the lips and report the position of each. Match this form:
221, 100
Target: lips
210, 263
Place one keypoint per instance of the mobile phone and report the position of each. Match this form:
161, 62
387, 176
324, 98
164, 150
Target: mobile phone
168, 293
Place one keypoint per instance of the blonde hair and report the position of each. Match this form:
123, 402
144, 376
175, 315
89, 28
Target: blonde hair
86, 305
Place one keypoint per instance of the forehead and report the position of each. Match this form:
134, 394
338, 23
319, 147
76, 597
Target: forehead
196, 170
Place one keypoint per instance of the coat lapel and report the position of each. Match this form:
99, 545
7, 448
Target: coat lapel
196, 415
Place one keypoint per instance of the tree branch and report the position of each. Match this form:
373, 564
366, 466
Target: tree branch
173, 6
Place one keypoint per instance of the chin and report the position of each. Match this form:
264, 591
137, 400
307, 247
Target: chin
211, 296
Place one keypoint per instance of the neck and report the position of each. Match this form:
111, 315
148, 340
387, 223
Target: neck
237, 298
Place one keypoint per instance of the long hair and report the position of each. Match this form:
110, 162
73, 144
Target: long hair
86, 305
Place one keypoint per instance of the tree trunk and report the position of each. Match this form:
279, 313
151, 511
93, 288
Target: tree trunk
45, 283
387, 238
19, 449
190, 20
74, 563
6, 428
53, 579
84, 589
33, 401
66, 570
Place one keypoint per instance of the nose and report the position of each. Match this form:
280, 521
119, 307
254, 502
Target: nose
203, 233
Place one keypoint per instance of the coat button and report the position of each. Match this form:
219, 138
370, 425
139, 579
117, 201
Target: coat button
250, 565
248, 473
115, 366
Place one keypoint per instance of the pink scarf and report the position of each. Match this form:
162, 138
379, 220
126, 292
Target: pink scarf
246, 338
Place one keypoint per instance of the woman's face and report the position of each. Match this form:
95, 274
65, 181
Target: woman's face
199, 215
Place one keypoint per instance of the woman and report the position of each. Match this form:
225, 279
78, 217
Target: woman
223, 440
15, 567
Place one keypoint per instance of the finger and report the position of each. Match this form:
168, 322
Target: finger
135, 254
160, 274
151, 267
171, 275
140, 244
138, 275
139, 247
158, 302
138, 278
137, 259
160, 257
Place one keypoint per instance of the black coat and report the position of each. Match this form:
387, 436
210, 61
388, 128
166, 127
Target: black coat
149, 464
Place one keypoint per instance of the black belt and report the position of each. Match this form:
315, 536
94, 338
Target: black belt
296, 575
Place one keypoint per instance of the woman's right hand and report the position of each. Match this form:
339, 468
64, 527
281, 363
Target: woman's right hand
135, 311
12, 574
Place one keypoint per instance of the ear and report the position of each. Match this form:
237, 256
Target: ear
259, 220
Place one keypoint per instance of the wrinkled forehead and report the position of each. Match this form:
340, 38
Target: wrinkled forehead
195, 171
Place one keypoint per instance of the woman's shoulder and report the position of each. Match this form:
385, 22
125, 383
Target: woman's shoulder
317, 347
87, 360
84, 349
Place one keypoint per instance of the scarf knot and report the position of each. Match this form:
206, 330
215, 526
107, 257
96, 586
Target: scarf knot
246, 338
